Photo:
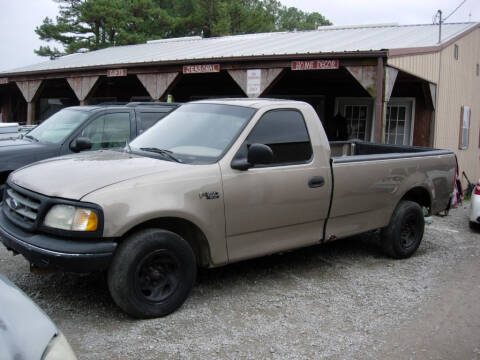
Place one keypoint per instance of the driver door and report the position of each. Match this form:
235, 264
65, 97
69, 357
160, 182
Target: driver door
274, 207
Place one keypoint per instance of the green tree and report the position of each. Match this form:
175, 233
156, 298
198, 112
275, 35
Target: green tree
84, 25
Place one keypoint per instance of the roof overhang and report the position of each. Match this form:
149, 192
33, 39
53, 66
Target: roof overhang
430, 49
101, 69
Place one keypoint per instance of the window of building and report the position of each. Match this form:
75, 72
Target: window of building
399, 122
478, 69
464, 127
286, 134
358, 115
455, 52
108, 131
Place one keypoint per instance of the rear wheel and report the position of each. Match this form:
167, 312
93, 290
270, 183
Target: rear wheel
403, 235
152, 273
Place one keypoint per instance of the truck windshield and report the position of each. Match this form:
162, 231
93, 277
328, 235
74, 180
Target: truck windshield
194, 133
58, 126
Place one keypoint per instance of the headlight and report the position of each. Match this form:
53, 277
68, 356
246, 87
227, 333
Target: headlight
59, 349
68, 217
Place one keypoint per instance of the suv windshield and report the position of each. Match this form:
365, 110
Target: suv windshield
58, 126
194, 133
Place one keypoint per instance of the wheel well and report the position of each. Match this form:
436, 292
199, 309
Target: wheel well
187, 230
419, 195
4, 176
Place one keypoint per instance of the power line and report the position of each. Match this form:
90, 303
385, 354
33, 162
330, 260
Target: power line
458, 7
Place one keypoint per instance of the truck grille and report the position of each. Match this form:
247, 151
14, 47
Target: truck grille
22, 207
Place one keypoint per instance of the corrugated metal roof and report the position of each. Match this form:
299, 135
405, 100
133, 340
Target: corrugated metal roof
328, 39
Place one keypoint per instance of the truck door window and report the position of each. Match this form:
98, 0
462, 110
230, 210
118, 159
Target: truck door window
286, 134
148, 119
108, 131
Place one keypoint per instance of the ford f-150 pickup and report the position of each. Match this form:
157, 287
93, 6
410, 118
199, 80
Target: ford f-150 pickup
215, 182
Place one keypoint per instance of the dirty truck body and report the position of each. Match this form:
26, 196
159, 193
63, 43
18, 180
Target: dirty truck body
245, 178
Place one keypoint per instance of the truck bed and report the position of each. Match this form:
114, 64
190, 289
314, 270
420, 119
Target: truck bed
355, 150
370, 179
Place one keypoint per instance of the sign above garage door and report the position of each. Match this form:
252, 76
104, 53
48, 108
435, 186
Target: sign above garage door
315, 65
201, 69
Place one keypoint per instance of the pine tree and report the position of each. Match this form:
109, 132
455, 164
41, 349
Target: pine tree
85, 25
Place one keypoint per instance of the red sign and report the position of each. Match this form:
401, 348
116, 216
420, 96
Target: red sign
116, 72
201, 69
3, 81
315, 65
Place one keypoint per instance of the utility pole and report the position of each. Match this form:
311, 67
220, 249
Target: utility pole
439, 13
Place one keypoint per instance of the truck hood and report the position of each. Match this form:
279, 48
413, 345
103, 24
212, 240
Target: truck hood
15, 153
74, 176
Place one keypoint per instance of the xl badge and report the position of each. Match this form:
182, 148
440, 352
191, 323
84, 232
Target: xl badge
209, 195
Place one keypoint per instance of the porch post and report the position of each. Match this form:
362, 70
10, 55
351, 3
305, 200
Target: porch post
255, 82
82, 86
380, 105
157, 84
30, 91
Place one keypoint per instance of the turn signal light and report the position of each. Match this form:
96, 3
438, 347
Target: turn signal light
477, 189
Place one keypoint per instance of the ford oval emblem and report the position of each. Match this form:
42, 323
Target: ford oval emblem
14, 204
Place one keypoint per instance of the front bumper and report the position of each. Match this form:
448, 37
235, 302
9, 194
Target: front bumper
48, 251
475, 209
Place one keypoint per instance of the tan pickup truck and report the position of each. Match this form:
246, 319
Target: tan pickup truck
215, 182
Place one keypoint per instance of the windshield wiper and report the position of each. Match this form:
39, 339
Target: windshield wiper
30, 137
166, 153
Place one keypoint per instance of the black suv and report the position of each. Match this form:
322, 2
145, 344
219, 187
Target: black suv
80, 128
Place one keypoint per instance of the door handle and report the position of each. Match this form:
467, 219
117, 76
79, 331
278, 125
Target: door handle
316, 181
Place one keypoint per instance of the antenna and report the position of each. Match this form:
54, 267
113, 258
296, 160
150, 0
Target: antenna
453, 12
438, 16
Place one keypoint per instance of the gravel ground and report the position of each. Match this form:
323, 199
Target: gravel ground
342, 300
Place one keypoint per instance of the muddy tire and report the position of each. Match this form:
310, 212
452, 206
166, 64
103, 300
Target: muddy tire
152, 273
403, 235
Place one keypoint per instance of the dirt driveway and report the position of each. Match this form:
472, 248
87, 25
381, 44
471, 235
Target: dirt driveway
343, 300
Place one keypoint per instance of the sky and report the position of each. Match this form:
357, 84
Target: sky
18, 19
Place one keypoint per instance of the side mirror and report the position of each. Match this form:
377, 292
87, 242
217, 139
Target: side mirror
80, 144
258, 154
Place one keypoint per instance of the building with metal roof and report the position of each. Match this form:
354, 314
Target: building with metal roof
401, 84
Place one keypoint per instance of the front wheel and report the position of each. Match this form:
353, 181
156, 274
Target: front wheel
403, 235
152, 273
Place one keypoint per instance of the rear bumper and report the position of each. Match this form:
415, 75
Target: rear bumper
65, 254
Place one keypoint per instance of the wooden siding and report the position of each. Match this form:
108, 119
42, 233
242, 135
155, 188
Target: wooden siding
459, 85
424, 66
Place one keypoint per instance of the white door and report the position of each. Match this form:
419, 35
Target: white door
399, 125
358, 113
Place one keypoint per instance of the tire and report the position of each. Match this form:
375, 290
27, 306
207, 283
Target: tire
152, 273
403, 235
474, 226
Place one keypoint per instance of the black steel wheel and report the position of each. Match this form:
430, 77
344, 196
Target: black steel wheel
158, 275
152, 273
403, 235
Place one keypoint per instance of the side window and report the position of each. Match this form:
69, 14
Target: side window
464, 128
108, 131
286, 134
148, 119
